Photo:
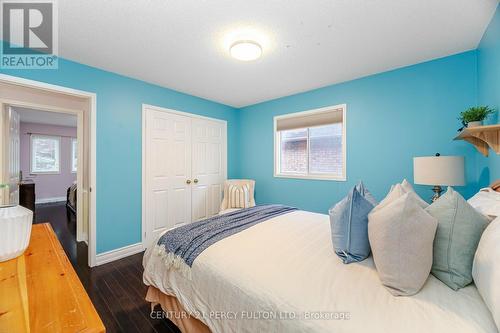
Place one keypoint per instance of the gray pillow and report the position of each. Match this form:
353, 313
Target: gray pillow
459, 230
401, 234
349, 225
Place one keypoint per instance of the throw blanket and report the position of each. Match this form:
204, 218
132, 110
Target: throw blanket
180, 246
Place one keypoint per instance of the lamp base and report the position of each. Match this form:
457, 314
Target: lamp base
437, 192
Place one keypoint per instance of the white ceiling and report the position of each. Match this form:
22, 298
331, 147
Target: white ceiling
44, 117
182, 44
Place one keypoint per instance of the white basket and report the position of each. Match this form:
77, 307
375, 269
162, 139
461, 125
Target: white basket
15, 231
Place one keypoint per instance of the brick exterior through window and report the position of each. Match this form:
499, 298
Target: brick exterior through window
325, 151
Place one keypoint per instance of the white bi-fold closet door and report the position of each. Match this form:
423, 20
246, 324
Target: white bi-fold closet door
184, 169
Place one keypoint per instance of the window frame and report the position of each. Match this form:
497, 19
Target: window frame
74, 145
32, 151
313, 176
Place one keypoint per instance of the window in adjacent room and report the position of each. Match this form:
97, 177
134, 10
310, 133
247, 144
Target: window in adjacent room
311, 144
45, 154
74, 151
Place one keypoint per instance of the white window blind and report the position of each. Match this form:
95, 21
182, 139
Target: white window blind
312, 119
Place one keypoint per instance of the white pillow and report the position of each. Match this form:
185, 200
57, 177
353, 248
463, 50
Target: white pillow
486, 268
406, 186
487, 202
396, 192
238, 196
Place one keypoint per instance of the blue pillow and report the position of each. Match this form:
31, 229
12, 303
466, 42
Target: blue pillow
349, 225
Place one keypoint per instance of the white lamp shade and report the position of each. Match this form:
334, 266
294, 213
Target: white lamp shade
439, 170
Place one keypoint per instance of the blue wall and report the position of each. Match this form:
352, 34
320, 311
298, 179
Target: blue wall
391, 117
119, 107
489, 90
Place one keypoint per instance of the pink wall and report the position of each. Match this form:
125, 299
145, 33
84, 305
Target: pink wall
48, 186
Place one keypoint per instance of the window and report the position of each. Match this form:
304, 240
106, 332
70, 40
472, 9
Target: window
311, 144
45, 154
74, 154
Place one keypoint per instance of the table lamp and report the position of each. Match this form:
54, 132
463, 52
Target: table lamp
438, 171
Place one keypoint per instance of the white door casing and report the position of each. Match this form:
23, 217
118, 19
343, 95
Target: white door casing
49, 97
14, 162
184, 169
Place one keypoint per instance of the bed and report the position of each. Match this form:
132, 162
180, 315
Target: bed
71, 198
282, 276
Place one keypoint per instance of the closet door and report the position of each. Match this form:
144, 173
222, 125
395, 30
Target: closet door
168, 172
209, 167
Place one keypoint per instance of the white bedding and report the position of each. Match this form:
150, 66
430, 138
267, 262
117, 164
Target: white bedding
286, 266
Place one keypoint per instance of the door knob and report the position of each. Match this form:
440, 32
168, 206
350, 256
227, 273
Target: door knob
195, 181
188, 181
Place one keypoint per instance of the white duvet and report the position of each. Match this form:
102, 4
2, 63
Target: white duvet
286, 267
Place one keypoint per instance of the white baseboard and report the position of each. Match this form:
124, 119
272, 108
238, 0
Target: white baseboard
109, 256
49, 200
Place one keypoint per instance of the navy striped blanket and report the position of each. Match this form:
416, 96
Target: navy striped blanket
180, 246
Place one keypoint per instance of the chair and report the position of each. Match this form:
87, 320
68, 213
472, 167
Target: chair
249, 182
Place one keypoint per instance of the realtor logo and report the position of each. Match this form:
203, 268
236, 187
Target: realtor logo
29, 34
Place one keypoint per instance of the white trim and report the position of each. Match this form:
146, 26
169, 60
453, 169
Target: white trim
343, 177
180, 113
143, 182
82, 233
93, 145
49, 200
311, 177
143, 166
73, 140
109, 256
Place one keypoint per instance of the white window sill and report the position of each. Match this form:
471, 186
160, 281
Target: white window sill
312, 177
45, 173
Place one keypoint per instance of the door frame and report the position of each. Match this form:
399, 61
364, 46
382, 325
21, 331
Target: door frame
7, 142
92, 190
144, 186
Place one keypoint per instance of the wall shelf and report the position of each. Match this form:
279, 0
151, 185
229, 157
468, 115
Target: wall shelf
482, 137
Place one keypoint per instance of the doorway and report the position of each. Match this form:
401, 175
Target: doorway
38, 153
47, 156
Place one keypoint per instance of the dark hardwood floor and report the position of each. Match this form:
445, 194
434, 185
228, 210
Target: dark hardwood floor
116, 289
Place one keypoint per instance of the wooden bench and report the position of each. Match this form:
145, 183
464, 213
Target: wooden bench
40, 291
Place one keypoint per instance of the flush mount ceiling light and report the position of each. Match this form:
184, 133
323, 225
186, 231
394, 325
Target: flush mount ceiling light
245, 50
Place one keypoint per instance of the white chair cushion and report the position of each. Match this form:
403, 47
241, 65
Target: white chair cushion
225, 200
229, 210
238, 196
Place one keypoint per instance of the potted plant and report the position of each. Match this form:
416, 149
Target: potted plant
474, 116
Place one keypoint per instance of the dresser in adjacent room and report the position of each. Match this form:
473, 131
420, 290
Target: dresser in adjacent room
27, 196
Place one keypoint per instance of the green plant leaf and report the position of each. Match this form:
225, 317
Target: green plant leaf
475, 113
